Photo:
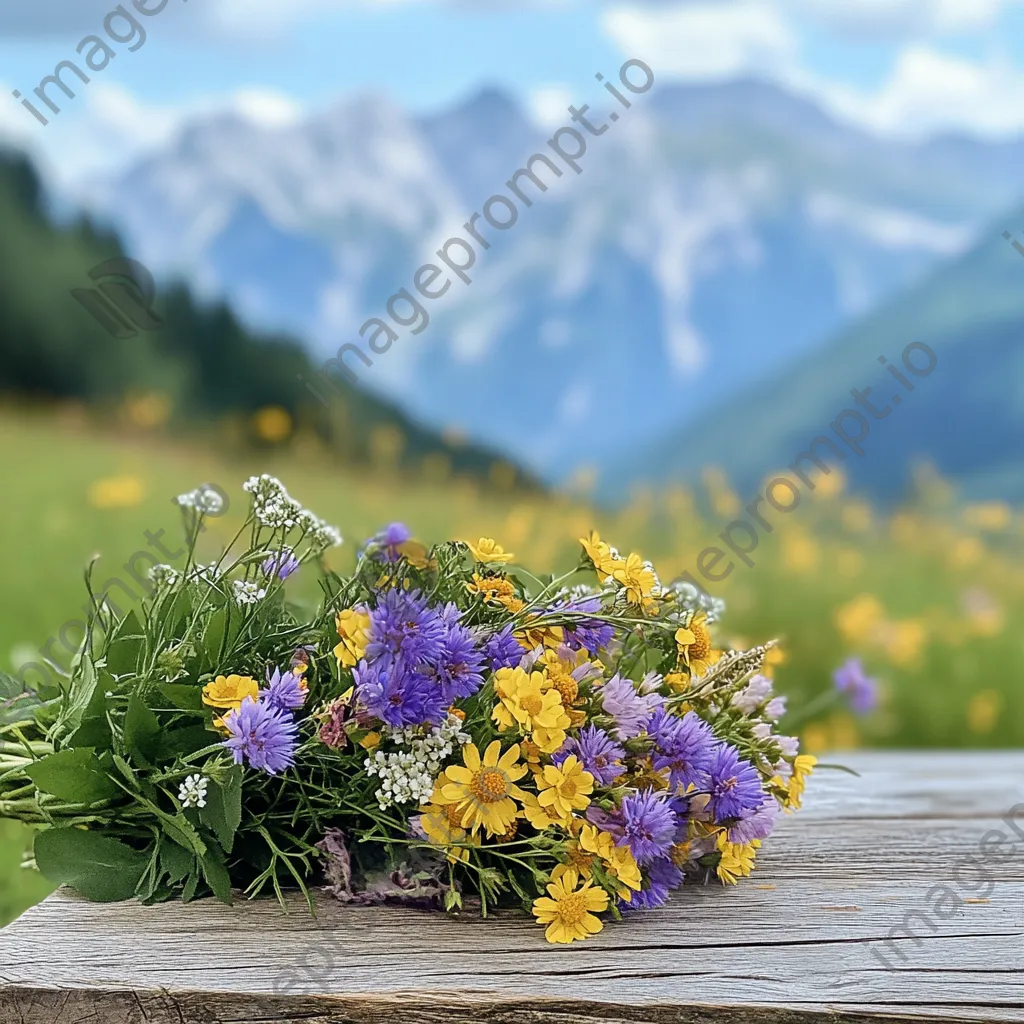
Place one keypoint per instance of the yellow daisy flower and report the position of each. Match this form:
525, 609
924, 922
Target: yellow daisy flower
354, 629
230, 691
442, 824
737, 858
530, 702
600, 555
491, 588
569, 912
539, 635
617, 860
416, 555
484, 789
637, 578
566, 787
541, 817
486, 549
694, 645
802, 767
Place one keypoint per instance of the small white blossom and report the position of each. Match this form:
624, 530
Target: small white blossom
762, 730
164, 575
248, 593
206, 573
775, 709
192, 792
753, 695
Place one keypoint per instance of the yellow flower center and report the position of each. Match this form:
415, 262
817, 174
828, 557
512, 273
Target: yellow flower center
454, 816
572, 908
567, 788
489, 785
701, 646
568, 689
531, 704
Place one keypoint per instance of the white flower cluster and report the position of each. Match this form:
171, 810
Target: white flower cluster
192, 792
164, 575
273, 506
205, 499
407, 776
247, 593
693, 600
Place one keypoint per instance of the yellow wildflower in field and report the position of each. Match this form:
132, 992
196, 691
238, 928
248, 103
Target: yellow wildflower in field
904, 641
856, 516
694, 646
230, 691
966, 552
536, 634
737, 859
484, 788
569, 912
566, 787
486, 549
860, 617
983, 711
353, 626
117, 492
541, 816
800, 553
272, 424
990, 515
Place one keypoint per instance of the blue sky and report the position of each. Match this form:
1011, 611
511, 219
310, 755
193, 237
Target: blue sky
902, 66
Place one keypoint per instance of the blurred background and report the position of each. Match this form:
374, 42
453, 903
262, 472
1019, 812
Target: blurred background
810, 185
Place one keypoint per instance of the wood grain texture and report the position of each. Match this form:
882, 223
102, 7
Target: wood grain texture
806, 938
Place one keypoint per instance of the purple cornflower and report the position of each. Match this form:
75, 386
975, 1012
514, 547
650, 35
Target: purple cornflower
284, 692
661, 877
597, 751
261, 736
503, 650
590, 635
758, 825
282, 565
734, 787
647, 825
631, 710
863, 690
397, 696
460, 669
403, 627
684, 745
389, 540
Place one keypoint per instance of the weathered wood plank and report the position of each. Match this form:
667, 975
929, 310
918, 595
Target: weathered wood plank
807, 938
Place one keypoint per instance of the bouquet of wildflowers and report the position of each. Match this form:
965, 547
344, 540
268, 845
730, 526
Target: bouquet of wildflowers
444, 728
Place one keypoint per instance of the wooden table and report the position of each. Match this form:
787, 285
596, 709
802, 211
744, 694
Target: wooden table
804, 939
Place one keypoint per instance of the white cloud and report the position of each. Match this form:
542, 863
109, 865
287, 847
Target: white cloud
929, 91
549, 105
902, 19
706, 39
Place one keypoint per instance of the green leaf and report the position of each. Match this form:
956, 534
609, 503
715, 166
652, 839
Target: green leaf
125, 649
94, 730
175, 862
192, 883
216, 875
73, 775
99, 867
213, 637
184, 741
223, 810
79, 697
141, 732
183, 695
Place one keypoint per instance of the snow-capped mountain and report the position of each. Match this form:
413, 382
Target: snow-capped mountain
714, 233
